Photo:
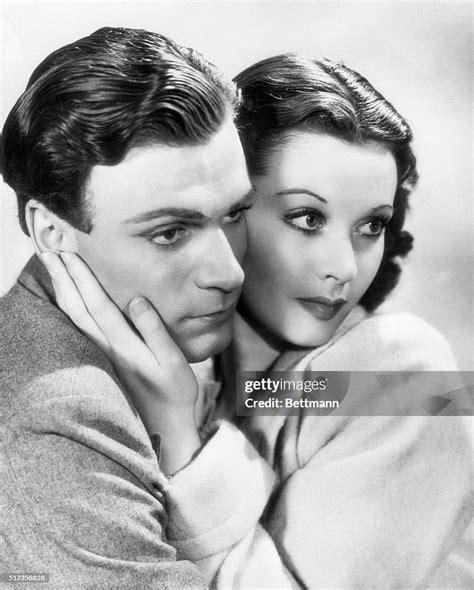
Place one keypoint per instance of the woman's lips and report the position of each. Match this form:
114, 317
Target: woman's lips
321, 307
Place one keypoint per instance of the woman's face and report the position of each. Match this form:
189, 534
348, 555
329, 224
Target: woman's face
316, 234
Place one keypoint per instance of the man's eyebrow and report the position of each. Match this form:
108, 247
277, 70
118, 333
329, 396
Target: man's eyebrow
180, 212
248, 197
298, 191
183, 213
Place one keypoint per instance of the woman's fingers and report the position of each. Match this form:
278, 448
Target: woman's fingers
101, 308
83, 299
124, 346
175, 379
153, 331
69, 298
153, 370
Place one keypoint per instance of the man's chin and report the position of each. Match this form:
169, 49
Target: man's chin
203, 347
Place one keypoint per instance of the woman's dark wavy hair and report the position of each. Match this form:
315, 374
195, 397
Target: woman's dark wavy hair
294, 92
90, 102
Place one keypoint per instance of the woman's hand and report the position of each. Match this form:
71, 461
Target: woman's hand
153, 371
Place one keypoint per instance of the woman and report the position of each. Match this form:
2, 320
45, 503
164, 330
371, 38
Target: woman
362, 501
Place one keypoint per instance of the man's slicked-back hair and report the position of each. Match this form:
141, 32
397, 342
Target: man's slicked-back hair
90, 102
295, 92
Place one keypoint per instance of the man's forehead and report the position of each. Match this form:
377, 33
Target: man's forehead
201, 177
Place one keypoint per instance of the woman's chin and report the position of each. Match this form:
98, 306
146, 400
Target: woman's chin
292, 326
309, 333
309, 340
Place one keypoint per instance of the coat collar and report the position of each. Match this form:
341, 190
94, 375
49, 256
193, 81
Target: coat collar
35, 278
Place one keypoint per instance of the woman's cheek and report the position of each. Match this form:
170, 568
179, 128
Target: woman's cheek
367, 266
376, 258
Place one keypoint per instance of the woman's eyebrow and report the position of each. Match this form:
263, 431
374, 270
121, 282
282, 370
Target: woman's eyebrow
381, 209
298, 191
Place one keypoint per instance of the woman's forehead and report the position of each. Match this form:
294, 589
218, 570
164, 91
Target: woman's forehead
332, 168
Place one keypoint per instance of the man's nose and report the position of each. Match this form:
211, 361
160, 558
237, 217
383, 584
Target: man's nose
335, 259
218, 267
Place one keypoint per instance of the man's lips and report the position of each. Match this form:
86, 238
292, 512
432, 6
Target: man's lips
216, 314
322, 308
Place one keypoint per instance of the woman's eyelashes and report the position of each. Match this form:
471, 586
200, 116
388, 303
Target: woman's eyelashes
311, 221
372, 227
306, 220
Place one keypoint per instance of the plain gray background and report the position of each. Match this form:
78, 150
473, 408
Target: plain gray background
418, 54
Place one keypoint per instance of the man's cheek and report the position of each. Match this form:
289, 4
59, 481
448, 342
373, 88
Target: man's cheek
167, 304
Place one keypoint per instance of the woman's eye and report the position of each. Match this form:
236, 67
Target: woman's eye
168, 236
372, 227
309, 221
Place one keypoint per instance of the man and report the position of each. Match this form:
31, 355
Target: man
122, 149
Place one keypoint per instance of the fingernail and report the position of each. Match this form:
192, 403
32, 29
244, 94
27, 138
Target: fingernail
139, 305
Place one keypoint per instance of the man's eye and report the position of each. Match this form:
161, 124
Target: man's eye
235, 216
372, 227
168, 236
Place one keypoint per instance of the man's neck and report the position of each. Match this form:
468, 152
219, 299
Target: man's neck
251, 351
248, 351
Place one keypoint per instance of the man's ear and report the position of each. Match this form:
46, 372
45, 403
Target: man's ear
48, 231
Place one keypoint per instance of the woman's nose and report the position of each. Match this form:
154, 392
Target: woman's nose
336, 259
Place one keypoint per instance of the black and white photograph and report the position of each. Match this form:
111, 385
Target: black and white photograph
236, 294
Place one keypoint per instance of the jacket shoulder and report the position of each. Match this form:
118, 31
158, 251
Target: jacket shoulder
387, 342
410, 342
36, 333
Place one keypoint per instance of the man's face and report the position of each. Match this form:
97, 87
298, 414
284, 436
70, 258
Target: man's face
168, 225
